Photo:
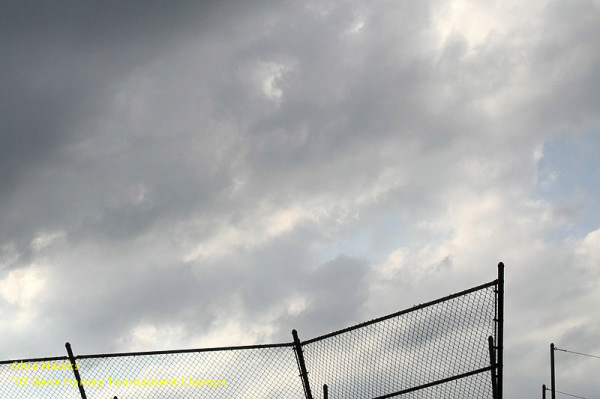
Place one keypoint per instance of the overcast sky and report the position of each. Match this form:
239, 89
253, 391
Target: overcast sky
192, 174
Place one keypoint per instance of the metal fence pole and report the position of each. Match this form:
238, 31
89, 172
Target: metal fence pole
544, 391
301, 365
500, 342
75, 370
494, 365
552, 380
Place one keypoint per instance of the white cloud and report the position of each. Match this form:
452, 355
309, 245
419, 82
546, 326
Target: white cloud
148, 335
588, 252
44, 240
22, 287
24, 290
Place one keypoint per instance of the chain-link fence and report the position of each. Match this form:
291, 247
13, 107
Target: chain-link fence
446, 348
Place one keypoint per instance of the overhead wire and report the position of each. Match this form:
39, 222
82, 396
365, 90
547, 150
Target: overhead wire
564, 393
568, 394
577, 353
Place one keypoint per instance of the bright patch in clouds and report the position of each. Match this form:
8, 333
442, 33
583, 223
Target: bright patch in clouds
24, 290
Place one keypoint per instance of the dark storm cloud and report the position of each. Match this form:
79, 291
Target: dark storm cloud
63, 65
59, 59
60, 63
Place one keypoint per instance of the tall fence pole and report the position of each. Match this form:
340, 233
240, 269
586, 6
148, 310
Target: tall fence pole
75, 370
301, 365
500, 342
552, 379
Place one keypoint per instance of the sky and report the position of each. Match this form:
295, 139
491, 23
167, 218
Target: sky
214, 173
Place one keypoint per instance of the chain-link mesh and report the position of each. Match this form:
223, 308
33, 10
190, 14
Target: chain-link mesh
263, 372
255, 372
415, 348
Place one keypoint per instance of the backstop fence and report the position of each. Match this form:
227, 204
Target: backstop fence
447, 348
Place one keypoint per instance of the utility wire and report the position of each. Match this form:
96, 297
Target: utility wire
577, 353
568, 394
564, 393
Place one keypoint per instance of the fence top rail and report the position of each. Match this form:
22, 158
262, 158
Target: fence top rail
401, 312
169, 352
35, 360
150, 353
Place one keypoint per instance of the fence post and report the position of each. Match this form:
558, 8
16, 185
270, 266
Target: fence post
500, 342
544, 391
494, 365
75, 370
552, 379
301, 365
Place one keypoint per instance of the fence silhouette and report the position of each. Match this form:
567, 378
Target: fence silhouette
447, 348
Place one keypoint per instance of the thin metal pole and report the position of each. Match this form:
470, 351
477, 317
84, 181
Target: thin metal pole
75, 370
325, 392
301, 365
552, 379
544, 391
500, 342
493, 364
